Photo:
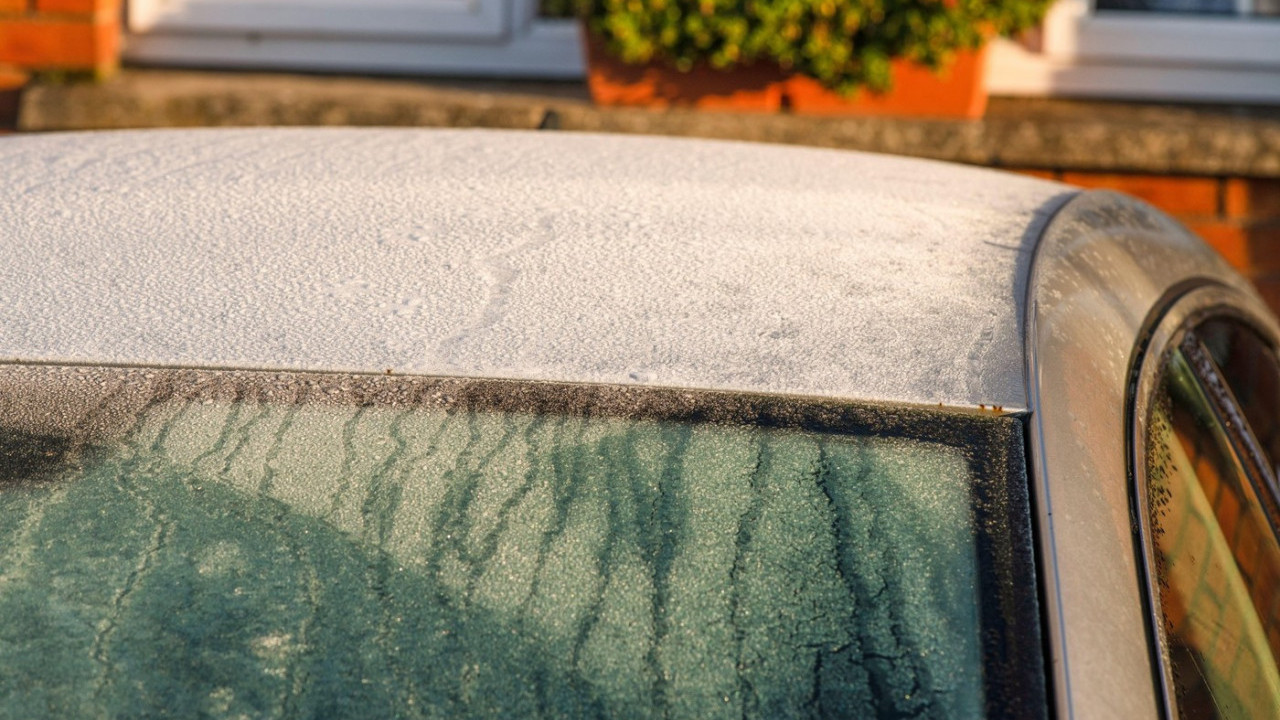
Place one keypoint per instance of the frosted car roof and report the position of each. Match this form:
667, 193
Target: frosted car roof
556, 256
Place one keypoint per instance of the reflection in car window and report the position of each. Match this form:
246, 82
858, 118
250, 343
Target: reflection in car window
1216, 559
241, 552
1249, 367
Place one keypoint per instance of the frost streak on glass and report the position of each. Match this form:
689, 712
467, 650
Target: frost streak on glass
270, 560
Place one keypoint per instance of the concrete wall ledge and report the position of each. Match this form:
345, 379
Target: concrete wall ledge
1017, 133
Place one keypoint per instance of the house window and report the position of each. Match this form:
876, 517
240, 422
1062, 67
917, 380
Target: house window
448, 37
1241, 8
1170, 50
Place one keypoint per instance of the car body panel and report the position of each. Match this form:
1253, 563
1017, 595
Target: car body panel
634, 261
1106, 269
581, 258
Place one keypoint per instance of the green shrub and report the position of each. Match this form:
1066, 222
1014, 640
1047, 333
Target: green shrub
555, 8
845, 44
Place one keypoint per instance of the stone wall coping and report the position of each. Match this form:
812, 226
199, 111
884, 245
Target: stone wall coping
1016, 133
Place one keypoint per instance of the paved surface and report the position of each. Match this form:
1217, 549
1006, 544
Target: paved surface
1098, 136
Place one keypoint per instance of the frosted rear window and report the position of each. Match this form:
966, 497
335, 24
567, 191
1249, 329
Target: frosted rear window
243, 548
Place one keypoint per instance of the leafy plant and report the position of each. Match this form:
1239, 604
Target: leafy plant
845, 44
555, 8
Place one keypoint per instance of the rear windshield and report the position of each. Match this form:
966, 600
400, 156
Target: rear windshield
235, 544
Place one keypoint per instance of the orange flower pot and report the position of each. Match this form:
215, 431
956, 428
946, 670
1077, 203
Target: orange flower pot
751, 88
958, 91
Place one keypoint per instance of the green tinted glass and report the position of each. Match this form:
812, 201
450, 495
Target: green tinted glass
249, 554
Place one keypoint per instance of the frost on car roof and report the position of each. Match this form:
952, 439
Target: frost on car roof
520, 255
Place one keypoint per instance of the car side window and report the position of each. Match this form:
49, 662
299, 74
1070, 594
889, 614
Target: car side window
1249, 368
1211, 545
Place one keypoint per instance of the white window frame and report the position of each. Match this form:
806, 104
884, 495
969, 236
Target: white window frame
380, 18
1143, 56
1120, 55
448, 37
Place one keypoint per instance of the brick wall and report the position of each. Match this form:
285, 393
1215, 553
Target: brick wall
1239, 217
69, 35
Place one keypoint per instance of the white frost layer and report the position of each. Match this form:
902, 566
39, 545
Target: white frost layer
520, 255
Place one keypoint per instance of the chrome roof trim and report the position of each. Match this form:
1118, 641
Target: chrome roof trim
1107, 268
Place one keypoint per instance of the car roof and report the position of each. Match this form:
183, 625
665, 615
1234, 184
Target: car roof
536, 255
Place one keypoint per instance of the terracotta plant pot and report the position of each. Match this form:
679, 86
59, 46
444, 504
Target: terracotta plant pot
958, 92
753, 88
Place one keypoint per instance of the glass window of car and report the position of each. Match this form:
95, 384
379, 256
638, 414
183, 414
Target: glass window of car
351, 546
1213, 548
1248, 366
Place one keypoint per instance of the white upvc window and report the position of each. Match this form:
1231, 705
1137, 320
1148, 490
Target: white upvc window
384, 18
1194, 50
451, 37
1182, 50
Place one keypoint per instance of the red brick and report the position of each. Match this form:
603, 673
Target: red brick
1252, 198
1269, 288
1184, 196
48, 44
1264, 247
79, 7
1253, 248
1228, 238
1248, 548
1263, 587
1227, 510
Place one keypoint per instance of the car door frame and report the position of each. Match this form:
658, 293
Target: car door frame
1106, 271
